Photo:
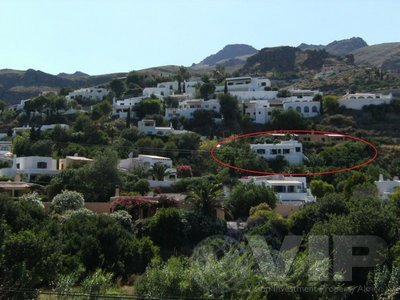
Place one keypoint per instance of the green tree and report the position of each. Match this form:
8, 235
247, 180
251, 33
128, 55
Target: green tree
118, 87
21, 145
159, 170
206, 90
67, 200
287, 119
247, 195
319, 188
205, 198
330, 104
148, 107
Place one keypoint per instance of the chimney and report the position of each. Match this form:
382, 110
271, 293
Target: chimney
380, 177
116, 191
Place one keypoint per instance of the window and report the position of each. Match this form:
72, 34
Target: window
314, 109
42, 165
298, 149
306, 109
279, 189
298, 108
274, 151
290, 189
263, 83
18, 166
269, 113
286, 151
279, 151
260, 151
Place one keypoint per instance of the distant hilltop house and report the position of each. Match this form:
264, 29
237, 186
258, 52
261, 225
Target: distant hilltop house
291, 151
186, 108
359, 100
148, 126
289, 190
91, 93
387, 187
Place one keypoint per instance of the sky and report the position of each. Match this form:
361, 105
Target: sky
99, 36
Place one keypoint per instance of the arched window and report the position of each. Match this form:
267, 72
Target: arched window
298, 108
314, 109
289, 107
306, 109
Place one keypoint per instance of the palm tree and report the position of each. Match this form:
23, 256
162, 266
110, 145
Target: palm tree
205, 198
159, 170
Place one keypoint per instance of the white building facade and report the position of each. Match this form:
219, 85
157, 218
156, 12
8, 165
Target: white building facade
306, 106
31, 166
186, 108
359, 100
120, 107
288, 190
147, 126
163, 89
91, 93
291, 151
387, 187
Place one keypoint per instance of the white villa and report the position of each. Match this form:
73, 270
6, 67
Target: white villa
163, 89
91, 93
30, 166
306, 106
186, 108
147, 126
258, 110
20, 130
73, 161
359, 100
148, 161
120, 107
386, 187
289, 190
291, 151
245, 83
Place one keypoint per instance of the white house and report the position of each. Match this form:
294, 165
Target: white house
289, 190
291, 151
254, 95
186, 108
246, 83
163, 89
304, 93
359, 100
386, 187
92, 93
19, 106
306, 106
20, 130
120, 107
258, 110
148, 161
30, 166
190, 87
73, 161
147, 126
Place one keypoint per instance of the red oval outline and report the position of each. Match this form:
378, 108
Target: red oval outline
233, 138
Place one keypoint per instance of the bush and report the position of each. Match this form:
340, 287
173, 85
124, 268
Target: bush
67, 200
97, 283
33, 198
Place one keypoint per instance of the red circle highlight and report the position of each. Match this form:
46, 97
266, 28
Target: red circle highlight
230, 139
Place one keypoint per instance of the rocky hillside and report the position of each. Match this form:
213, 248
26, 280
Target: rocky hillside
230, 54
340, 48
386, 56
288, 59
16, 85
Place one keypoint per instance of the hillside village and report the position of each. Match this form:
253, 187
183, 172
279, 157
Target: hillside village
126, 165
